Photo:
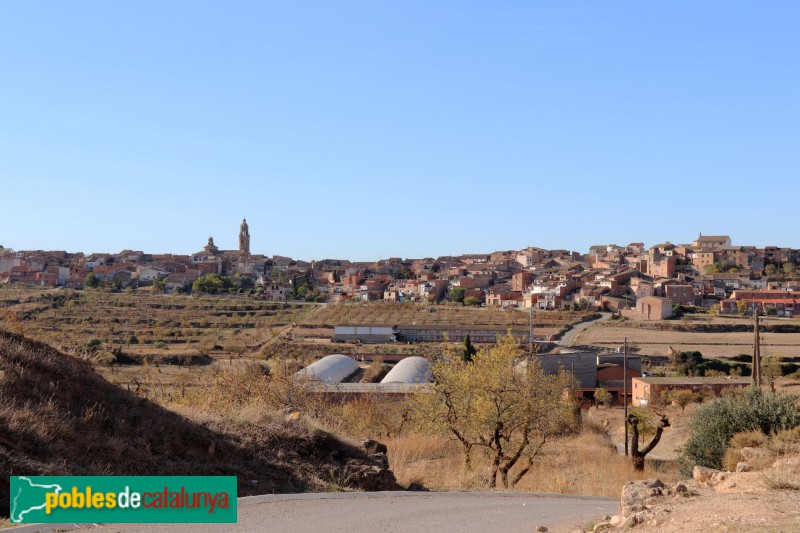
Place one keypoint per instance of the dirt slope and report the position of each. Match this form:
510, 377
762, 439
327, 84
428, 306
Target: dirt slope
57, 417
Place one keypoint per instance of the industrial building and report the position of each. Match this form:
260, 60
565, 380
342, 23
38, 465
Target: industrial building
364, 334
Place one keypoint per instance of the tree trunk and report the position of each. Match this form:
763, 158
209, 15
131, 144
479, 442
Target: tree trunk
497, 445
495, 467
467, 446
522, 472
638, 460
637, 455
504, 477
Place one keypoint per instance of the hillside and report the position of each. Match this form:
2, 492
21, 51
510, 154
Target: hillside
145, 324
57, 417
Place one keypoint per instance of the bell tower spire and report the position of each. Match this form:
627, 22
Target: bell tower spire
244, 239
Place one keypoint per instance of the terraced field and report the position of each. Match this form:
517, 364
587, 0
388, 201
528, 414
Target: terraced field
145, 323
391, 313
168, 343
141, 322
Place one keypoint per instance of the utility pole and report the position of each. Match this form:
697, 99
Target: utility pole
530, 328
757, 354
625, 390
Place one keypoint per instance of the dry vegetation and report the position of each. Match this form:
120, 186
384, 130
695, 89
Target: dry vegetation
194, 418
143, 341
58, 417
444, 315
131, 327
585, 464
611, 420
760, 451
143, 324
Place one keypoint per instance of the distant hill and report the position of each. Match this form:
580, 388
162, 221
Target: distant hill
57, 417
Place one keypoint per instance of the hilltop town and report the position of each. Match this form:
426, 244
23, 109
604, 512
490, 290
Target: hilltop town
649, 283
360, 349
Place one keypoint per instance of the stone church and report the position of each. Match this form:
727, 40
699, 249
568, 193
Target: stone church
212, 260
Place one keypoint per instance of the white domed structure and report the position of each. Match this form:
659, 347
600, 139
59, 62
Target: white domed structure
410, 370
331, 368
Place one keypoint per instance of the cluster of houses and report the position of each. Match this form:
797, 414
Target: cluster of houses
134, 269
643, 283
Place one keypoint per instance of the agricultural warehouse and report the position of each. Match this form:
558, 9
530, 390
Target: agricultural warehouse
583, 365
365, 334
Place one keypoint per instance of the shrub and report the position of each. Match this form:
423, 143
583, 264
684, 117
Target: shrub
694, 364
753, 438
715, 425
375, 372
783, 443
602, 396
682, 398
92, 344
104, 357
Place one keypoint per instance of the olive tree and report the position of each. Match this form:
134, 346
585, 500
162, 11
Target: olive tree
715, 424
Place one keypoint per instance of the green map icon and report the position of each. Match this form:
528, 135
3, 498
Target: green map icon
27, 497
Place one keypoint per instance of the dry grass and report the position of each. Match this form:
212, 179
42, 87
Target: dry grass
760, 451
58, 417
444, 314
185, 324
432, 461
784, 448
585, 464
375, 372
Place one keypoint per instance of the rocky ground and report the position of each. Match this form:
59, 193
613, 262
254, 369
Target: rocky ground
713, 501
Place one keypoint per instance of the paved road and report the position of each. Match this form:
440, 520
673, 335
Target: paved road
568, 337
397, 511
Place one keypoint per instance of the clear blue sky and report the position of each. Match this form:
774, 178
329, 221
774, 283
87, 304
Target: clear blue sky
372, 129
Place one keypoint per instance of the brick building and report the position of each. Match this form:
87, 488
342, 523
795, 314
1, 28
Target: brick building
645, 390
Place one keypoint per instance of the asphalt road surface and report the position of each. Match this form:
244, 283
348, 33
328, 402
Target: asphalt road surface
569, 336
393, 511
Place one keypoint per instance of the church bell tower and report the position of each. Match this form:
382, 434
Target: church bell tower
244, 239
